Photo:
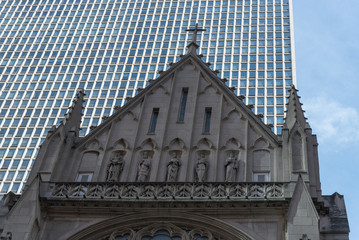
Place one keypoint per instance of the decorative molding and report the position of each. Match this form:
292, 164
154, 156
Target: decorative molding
176, 144
164, 89
256, 144
297, 128
165, 191
231, 111
210, 85
152, 229
129, 112
190, 225
232, 143
161, 86
120, 144
123, 232
92, 145
204, 144
148, 144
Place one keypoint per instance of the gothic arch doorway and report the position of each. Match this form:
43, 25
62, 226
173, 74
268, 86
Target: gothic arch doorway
153, 226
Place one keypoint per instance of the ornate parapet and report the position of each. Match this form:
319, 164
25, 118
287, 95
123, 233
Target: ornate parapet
163, 191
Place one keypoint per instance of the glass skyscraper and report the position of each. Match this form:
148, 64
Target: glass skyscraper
51, 48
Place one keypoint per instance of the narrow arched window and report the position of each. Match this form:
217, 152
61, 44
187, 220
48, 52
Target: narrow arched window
207, 120
183, 105
154, 118
297, 152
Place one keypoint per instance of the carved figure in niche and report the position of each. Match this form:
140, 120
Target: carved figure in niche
201, 167
8, 236
144, 167
173, 166
304, 237
114, 168
231, 167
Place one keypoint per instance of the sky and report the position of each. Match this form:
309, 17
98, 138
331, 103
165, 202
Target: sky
327, 65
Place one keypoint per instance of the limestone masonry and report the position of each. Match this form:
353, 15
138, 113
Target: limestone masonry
184, 159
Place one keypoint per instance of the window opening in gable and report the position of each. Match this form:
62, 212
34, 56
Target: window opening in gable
207, 120
154, 118
183, 104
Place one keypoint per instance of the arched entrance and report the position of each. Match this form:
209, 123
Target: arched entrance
161, 226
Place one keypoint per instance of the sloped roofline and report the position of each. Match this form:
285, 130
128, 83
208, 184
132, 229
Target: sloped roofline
167, 73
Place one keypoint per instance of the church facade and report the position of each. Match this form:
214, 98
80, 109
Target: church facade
184, 159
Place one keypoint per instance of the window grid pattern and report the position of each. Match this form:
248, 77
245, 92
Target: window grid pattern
50, 48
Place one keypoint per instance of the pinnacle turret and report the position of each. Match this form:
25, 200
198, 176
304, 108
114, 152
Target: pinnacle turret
294, 113
73, 116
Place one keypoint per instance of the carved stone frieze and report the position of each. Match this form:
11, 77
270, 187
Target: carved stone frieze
166, 191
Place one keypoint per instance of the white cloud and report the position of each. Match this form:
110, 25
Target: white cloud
331, 121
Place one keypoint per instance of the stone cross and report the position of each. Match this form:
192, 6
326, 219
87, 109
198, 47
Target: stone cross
195, 30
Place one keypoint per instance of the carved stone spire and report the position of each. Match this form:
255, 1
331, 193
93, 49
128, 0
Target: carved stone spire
294, 111
73, 116
193, 46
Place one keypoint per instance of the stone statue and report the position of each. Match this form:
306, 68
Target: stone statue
114, 168
8, 236
231, 167
304, 237
173, 166
201, 167
144, 168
